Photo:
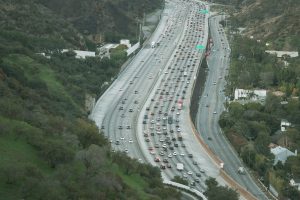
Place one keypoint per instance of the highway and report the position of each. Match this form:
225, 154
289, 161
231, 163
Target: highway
211, 105
145, 111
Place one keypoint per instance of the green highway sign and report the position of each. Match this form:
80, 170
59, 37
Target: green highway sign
200, 47
203, 11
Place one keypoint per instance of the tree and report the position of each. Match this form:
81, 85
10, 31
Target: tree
215, 192
178, 179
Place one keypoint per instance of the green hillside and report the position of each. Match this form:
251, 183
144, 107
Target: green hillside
48, 147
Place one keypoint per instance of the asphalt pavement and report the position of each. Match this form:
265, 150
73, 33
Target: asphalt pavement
211, 105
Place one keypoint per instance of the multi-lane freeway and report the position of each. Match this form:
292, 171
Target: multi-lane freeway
145, 112
212, 105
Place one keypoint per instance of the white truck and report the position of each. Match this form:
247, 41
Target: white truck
152, 44
241, 170
180, 166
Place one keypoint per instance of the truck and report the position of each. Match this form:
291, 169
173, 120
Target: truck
241, 170
152, 44
170, 120
179, 166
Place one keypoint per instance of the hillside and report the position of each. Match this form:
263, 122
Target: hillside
273, 21
48, 147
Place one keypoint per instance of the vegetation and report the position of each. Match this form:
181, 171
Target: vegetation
48, 147
216, 192
253, 126
181, 180
271, 21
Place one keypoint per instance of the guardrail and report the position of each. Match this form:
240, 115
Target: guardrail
184, 187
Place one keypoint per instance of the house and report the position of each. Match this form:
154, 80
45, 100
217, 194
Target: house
284, 124
125, 42
295, 183
249, 94
81, 54
280, 54
281, 154
104, 51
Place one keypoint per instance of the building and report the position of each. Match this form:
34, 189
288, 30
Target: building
280, 54
104, 51
281, 154
125, 42
295, 183
253, 95
81, 54
284, 124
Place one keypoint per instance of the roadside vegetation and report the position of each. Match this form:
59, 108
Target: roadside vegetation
48, 147
252, 126
217, 192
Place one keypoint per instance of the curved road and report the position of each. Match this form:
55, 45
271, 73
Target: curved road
212, 104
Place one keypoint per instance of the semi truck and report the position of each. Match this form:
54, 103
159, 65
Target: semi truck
180, 166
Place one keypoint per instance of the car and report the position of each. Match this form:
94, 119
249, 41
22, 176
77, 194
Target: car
195, 162
147, 140
123, 115
156, 159
215, 112
162, 153
202, 171
126, 150
130, 110
209, 138
120, 127
117, 142
136, 92
130, 141
164, 145
161, 140
175, 145
184, 175
182, 154
128, 127
174, 153
197, 180
165, 160
190, 172
122, 138
198, 174
102, 127
162, 166
156, 145
190, 155
169, 165
150, 148
152, 152
170, 155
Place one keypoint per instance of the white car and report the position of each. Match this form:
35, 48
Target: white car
174, 154
170, 155
130, 141
190, 172
182, 154
122, 138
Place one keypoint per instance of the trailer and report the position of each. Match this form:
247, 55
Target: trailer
180, 166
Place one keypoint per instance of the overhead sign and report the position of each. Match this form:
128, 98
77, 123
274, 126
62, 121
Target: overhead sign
200, 47
203, 11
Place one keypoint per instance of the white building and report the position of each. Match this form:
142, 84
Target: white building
125, 42
81, 54
249, 94
281, 154
279, 54
104, 50
284, 124
295, 183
